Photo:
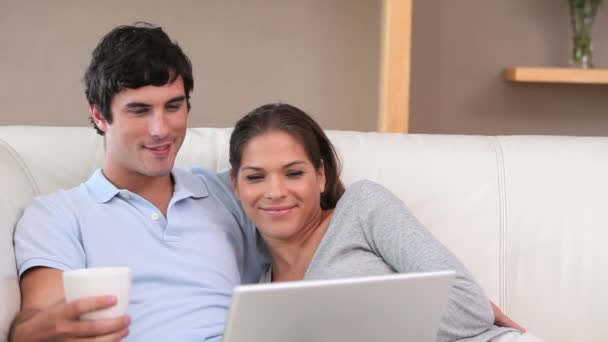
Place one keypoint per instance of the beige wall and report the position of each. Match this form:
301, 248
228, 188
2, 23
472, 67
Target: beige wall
321, 55
459, 49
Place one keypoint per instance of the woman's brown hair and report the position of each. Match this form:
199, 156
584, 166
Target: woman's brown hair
293, 121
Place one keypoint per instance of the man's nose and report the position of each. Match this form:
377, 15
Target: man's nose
158, 125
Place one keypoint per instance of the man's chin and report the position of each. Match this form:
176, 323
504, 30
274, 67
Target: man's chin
159, 172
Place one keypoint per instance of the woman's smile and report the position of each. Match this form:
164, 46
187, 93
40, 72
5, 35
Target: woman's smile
278, 210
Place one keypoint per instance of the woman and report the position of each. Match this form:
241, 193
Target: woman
286, 174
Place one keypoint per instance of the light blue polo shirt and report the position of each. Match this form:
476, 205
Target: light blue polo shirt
184, 266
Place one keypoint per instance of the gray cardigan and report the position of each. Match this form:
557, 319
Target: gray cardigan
372, 233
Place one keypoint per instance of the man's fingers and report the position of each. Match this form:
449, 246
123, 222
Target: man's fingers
102, 327
114, 337
79, 307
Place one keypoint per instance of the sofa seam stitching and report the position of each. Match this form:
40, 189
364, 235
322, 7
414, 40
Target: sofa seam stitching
502, 226
22, 164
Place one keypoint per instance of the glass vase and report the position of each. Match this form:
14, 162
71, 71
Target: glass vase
582, 13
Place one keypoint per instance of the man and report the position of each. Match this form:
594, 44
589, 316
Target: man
182, 234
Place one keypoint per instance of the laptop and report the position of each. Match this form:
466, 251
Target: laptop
396, 307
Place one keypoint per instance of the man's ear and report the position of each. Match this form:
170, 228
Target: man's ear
98, 118
234, 186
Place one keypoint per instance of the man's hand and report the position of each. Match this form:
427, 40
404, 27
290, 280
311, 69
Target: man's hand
61, 323
45, 316
502, 320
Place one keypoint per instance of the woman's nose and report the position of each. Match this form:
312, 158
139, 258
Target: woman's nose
275, 189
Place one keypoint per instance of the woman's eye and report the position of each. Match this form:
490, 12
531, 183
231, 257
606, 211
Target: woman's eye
253, 178
294, 174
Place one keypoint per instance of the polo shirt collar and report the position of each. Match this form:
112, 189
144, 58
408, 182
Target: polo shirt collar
101, 188
186, 185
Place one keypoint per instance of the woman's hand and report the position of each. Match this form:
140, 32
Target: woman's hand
502, 320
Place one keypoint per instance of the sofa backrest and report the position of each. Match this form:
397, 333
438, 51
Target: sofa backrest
526, 214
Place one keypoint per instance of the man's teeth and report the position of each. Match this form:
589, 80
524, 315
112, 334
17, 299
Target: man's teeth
159, 148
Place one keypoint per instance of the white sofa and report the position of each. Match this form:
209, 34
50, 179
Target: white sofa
527, 214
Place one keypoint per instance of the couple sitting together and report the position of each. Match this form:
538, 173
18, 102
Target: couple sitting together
189, 237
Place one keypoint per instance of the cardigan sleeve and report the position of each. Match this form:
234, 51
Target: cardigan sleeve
406, 245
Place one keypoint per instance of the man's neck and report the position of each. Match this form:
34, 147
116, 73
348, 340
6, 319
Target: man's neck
156, 190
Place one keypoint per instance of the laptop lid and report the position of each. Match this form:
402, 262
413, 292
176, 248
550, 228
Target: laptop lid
396, 307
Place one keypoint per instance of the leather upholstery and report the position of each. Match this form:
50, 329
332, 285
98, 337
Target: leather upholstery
526, 214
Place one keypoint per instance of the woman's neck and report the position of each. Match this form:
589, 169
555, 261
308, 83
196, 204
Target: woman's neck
291, 258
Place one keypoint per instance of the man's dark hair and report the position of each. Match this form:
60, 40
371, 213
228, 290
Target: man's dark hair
133, 57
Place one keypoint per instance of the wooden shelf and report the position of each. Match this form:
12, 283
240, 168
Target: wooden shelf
556, 75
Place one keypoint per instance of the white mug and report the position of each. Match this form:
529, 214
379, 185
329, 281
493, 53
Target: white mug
99, 281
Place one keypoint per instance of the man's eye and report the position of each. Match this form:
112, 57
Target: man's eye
138, 111
294, 174
173, 108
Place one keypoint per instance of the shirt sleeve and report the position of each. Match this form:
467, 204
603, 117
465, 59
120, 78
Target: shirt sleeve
47, 235
407, 246
253, 256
